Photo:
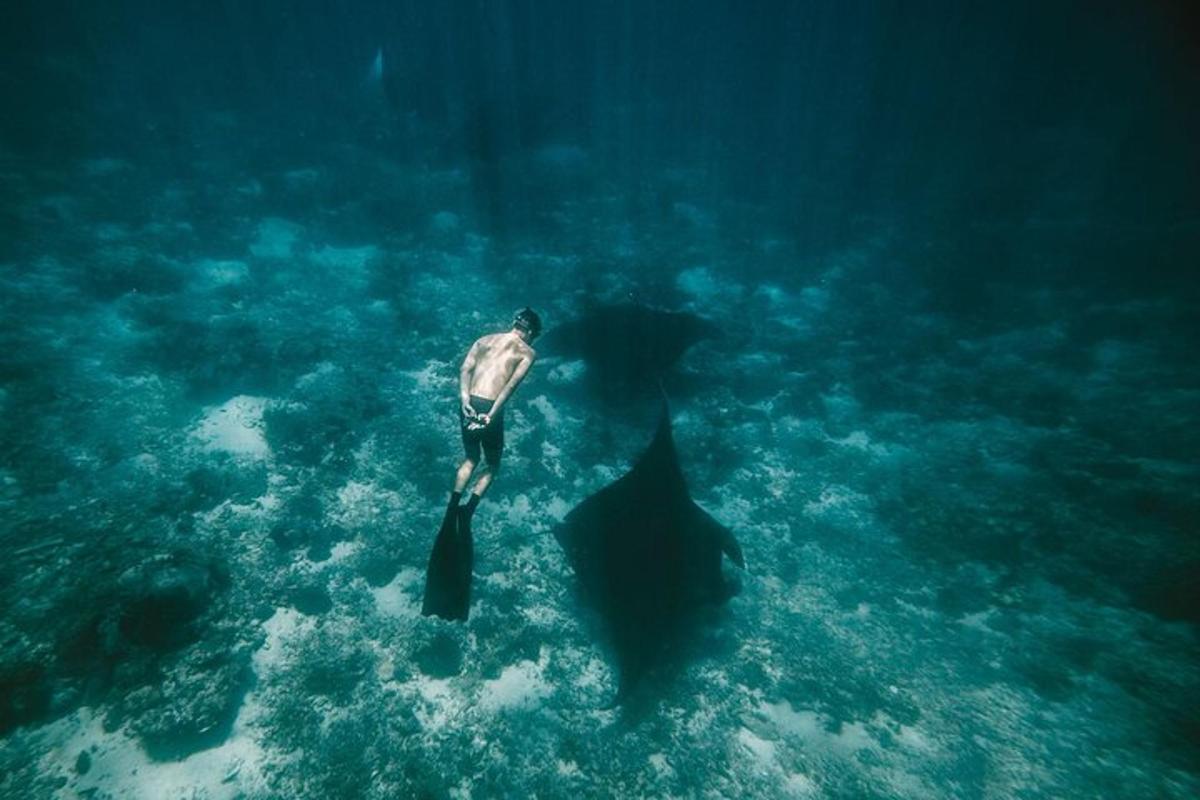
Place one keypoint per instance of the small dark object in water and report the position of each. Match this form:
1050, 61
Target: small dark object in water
311, 600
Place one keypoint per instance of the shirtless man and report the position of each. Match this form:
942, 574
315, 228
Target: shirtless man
490, 373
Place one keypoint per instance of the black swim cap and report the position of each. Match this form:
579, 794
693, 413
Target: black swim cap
527, 320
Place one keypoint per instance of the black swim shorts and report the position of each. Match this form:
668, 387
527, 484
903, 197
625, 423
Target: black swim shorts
490, 438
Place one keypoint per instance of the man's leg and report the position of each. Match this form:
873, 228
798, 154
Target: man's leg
463, 476
460, 482
471, 449
486, 476
492, 443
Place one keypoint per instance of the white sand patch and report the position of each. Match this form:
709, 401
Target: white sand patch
323, 370
110, 231
518, 510
814, 298
440, 704
250, 188
545, 616
660, 764
445, 222
912, 739
360, 503
738, 512
860, 440
121, 768
760, 363
780, 479
271, 501
521, 685
500, 580
702, 720
597, 476
837, 501
557, 508
799, 326
840, 404
592, 675
979, 620
693, 214
348, 261
283, 626
799, 785
567, 372
434, 376
704, 286
275, 238
236, 427
340, 552
258, 508
222, 273
303, 176
1111, 353
552, 459
397, 599
764, 761
762, 750
547, 410
774, 295
812, 729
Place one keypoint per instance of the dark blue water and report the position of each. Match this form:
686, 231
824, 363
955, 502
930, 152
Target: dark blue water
944, 395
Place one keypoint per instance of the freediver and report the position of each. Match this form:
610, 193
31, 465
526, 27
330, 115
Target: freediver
494, 367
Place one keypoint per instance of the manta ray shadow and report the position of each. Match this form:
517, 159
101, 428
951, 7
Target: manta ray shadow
629, 349
649, 562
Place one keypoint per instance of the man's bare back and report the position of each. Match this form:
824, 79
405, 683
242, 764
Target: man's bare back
497, 357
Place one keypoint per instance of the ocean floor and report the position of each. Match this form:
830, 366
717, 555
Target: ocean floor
228, 427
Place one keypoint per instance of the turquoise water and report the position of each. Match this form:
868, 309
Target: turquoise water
948, 408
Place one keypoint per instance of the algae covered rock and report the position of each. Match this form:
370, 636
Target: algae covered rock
160, 598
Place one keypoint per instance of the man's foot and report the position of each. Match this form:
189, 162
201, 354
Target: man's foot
468, 508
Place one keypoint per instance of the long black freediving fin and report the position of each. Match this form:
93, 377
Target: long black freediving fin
448, 577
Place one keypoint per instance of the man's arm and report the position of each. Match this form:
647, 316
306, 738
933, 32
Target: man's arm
464, 377
517, 376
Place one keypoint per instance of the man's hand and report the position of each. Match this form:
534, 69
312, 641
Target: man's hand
467, 411
484, 419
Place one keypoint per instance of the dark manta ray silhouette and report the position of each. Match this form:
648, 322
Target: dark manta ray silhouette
628, 344
647, 557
